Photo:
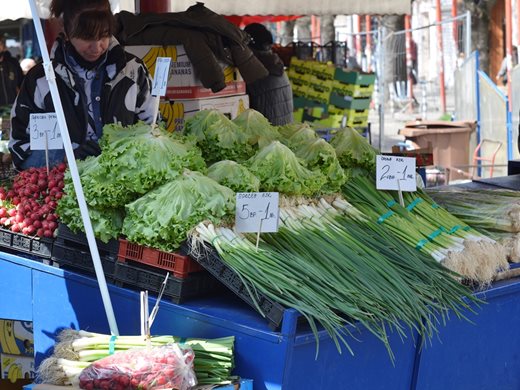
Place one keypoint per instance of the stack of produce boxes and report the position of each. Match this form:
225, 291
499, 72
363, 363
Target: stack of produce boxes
135, 266
185, 94
330, 96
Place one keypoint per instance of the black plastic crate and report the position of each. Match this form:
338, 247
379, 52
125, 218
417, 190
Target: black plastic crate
178, 290
73, 259
67, 237
211, 261
18, 242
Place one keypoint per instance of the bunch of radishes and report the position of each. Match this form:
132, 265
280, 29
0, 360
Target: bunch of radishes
162, 367
29, 206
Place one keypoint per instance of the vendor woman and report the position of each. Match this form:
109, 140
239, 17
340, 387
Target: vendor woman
97, 80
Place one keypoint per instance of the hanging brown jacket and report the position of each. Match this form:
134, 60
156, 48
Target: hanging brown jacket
207, 38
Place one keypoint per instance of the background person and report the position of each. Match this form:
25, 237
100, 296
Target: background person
10, 75
272, 95
98, 82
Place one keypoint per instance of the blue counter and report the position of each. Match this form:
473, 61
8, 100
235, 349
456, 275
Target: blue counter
481, 354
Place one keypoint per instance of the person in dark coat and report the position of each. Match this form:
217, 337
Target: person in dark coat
10, 75
98, 82
272, 95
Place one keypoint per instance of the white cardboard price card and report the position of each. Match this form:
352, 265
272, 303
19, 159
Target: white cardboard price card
160, 77
257, 212
395, 173
45, 132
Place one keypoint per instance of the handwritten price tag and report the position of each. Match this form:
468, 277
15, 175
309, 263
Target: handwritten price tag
45, 133
160, 78
395, 173
257, 211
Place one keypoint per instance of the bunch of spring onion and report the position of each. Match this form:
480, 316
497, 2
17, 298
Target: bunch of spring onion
421, 223
214, 358
485, 256
487, 210
339, 273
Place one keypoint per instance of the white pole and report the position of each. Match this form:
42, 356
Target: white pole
381, 85
51, 78
467, 50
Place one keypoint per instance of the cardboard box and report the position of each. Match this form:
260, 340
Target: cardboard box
450, 141
175, 112
14, 367
16, 338
182, 81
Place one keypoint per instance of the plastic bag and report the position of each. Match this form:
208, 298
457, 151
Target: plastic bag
165, 367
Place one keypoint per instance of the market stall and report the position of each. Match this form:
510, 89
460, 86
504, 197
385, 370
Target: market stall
331, 279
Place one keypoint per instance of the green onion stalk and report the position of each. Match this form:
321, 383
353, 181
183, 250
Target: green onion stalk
288, 280
490, 211
323, 264
467, 252
375, 205
496, 213
431, 285
483, 257
214, 358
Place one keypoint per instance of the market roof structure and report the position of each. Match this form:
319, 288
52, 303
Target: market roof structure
242, 7
299, 7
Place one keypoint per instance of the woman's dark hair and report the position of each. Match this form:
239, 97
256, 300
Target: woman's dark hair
85, 19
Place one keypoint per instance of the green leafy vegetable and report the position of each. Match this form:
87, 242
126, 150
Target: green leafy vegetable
288, 130
321, 155
163, 217
280, 170
138, 163
353, 150
106, 222
256, 127
233, 175
218, 137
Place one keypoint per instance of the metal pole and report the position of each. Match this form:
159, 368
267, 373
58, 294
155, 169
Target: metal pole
409, 61
357, 30
455, 32
440, 56
467, 48
368, 29
381, 84
509, 46
51, 78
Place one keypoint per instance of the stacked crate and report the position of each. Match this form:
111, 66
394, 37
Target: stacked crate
135, 266
329, 95
185, 94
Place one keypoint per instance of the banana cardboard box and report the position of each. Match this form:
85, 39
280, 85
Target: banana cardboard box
16, 354
175, 112
182, 82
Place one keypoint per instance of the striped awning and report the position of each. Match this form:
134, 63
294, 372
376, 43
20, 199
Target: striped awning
300, 7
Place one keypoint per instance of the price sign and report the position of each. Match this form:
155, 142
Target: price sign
395, 173
257, 212
160, 78
44, 132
